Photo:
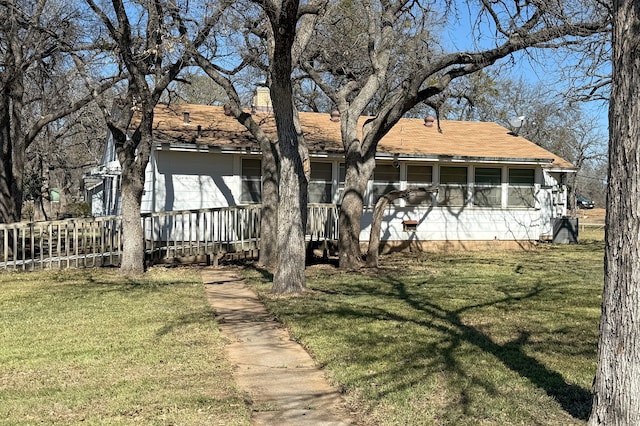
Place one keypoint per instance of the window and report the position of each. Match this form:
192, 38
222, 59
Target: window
251, 181
487, 188
419, 176
386, 178
320, 183
521, 188
453, 186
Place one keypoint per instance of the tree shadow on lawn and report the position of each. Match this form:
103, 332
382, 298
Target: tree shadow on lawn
574, 400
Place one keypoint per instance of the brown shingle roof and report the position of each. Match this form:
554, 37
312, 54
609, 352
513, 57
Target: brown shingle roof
410, 137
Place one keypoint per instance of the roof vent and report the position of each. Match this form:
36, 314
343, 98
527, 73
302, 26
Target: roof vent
227, 110
185, 117
429, 120
335, 115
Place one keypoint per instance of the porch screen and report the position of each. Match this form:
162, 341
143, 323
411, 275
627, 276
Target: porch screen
386, 178
251, 181
453, 186
487, 188
419, 176
320, 183
521, 188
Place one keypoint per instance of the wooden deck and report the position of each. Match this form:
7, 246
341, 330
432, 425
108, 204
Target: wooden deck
170, 237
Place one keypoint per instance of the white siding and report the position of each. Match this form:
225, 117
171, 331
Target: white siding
190, 180
457, 224
181, 180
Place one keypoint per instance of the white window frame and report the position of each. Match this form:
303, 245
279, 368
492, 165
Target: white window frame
326, 182
521, 188
252, 180
376, 184
445, 188
425, 201
491, 188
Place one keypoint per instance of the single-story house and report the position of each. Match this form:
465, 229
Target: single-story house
493, 185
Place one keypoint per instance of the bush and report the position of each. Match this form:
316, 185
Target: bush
78, 209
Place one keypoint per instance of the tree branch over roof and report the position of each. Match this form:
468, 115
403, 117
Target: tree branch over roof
452, 66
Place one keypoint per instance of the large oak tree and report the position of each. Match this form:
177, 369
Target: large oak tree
153, 43
293, 159
382, 57
617, 384
271, 39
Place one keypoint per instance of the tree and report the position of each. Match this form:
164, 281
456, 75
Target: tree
616, 399
36, 39
287, 39
293, 158
269, 164
391, 62
273, 45
57, 159
153, 44
195, 88
225, 78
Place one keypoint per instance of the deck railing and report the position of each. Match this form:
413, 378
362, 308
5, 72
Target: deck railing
61, 243
192, 233
188, 235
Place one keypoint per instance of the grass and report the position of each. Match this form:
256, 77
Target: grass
473, 338
470, 338
91, 347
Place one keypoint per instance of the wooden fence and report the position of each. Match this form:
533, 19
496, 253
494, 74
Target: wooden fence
183, 236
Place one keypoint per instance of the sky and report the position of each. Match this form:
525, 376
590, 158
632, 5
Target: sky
535, 67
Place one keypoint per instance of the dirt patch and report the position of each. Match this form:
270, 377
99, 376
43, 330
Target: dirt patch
591, 216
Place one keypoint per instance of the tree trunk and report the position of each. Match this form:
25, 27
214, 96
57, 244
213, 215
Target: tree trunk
9, 194
289, 276
12, 152
133, 241
269, 213
269, 168
616, 398
358, 172
134, 156
292, 206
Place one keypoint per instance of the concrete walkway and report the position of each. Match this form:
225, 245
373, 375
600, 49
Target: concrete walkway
284, 384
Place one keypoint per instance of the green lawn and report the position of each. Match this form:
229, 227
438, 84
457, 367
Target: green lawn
458, 339
90, 347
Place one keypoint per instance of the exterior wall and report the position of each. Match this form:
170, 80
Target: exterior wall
189, 179
462, 224
387, 247
181, 180
185, 180
105, 197
473, 223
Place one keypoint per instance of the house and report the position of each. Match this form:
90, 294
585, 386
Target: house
493, 185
